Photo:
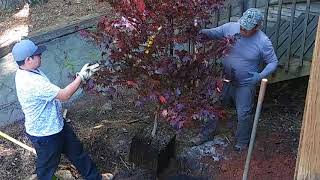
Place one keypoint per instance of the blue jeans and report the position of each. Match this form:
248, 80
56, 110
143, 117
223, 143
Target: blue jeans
243, 97
50, 148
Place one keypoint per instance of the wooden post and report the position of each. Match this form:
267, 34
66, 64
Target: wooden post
308, 161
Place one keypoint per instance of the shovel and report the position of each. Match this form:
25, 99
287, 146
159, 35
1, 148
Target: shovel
254, 128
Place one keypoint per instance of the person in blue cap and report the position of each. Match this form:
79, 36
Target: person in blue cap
241, 68
40, 102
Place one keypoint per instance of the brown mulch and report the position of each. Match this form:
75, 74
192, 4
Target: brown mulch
272, 158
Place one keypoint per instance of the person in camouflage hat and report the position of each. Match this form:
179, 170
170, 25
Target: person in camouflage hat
242, 71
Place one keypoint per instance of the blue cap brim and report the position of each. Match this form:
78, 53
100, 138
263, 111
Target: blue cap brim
40, 50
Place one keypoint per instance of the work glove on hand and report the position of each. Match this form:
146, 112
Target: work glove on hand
87, 71
253, 80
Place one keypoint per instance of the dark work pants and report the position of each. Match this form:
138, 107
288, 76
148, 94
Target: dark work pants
243, 97
50, 148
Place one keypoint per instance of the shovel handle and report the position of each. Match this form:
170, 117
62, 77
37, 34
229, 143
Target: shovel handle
254, 128
262, 90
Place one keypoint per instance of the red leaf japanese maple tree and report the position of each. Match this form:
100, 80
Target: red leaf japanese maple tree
153, 47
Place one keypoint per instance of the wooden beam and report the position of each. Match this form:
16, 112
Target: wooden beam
274, 2
56, 31
308, 161
295, 71
53, 32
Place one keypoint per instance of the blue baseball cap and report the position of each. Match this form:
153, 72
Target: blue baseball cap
251, 18
26, 48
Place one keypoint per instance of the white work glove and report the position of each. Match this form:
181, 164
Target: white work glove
87, 71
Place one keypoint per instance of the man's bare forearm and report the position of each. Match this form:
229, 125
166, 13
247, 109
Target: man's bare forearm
65, 93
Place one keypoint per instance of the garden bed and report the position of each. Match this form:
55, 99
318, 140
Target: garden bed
107, 136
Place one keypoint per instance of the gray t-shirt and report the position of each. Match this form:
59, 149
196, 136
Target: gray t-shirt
247, 53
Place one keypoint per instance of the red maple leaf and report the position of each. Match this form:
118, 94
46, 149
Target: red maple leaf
162, 100
140, 5
131, 83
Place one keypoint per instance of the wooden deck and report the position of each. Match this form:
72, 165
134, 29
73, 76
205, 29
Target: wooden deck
295, 71
294, 44
297, 35
294, 64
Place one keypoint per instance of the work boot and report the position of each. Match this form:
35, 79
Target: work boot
107, 176
239, 147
